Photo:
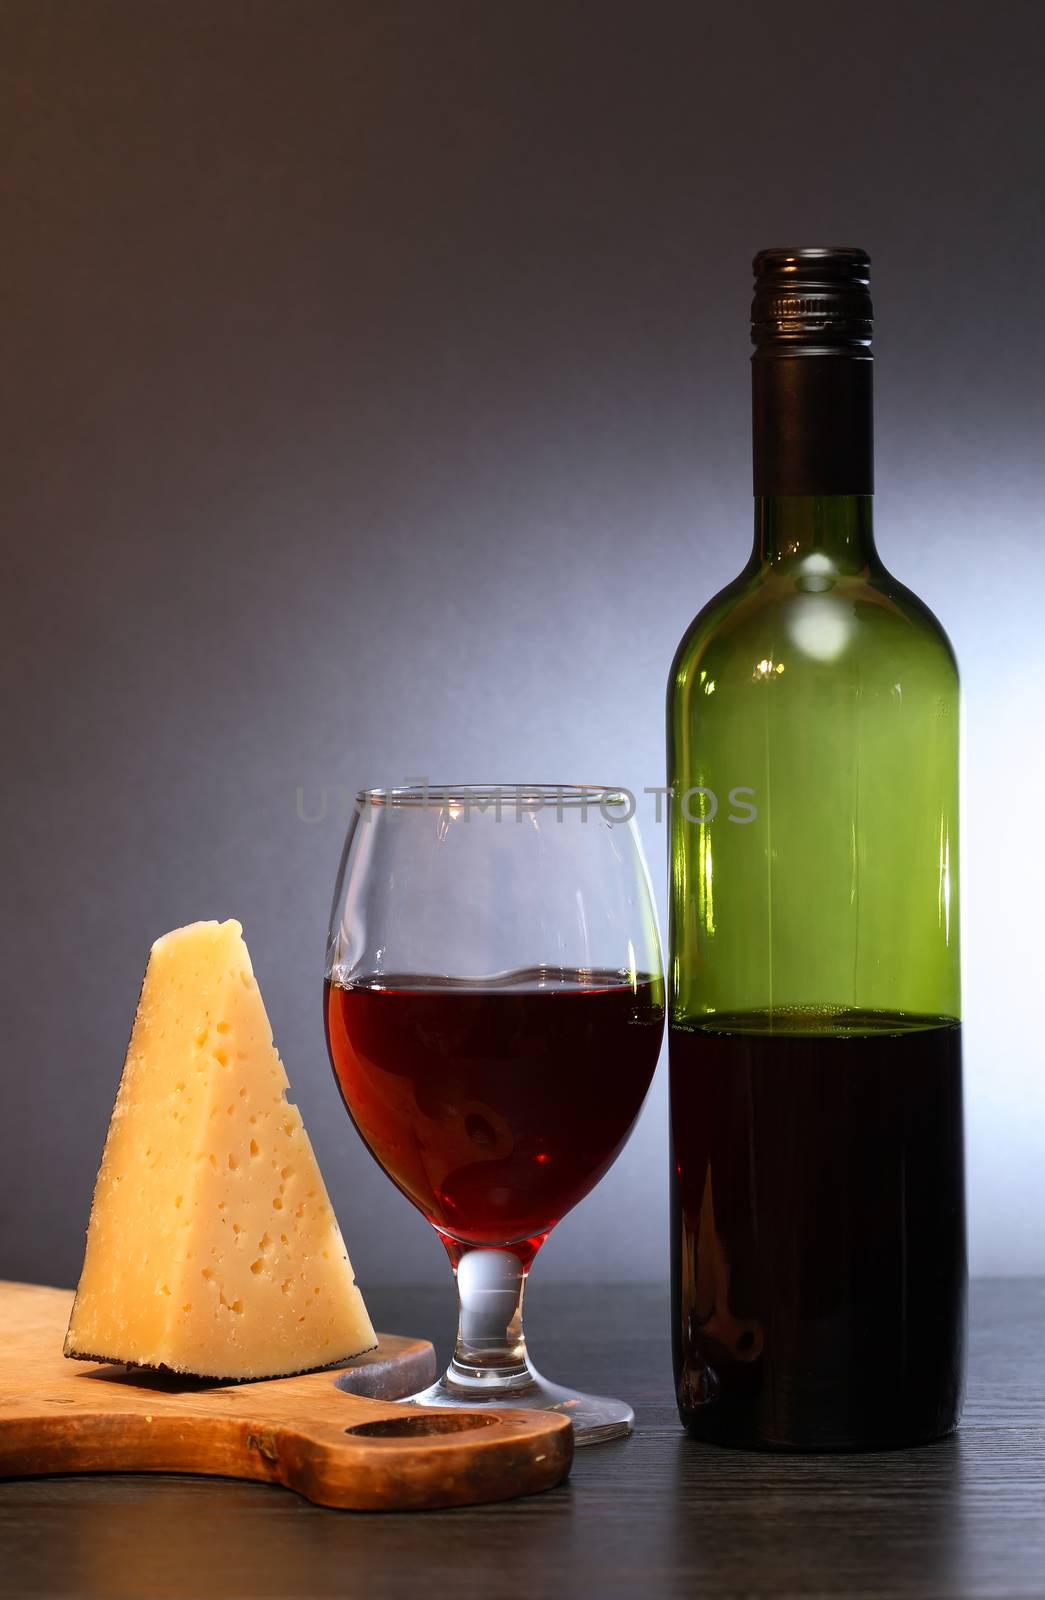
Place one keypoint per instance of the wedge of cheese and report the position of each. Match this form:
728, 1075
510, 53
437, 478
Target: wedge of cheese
212, 1247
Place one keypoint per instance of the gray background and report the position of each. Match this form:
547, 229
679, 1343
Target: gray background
376, 404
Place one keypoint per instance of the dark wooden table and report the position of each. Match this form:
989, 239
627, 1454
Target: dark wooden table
652, 1516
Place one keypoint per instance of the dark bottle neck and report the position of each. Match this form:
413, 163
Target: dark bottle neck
812, 422
813, 449
818, 536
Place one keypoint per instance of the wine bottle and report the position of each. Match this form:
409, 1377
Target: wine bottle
818, 1213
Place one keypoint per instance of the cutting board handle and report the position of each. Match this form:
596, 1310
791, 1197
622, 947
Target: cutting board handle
375, 1457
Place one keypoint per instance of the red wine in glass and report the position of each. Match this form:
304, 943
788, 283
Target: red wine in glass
495, 1106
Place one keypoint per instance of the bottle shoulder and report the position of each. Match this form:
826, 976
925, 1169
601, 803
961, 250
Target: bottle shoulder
806, 617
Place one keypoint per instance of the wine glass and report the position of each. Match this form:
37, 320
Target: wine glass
494, 1011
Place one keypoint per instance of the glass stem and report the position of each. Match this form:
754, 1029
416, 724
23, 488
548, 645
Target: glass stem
491, 1349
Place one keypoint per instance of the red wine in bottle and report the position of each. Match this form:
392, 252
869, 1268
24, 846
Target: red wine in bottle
818, 1218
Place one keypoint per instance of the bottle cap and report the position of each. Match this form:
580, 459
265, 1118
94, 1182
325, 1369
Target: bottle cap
812, 299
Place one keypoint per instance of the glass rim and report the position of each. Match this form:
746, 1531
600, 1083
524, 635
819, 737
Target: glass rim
483, 794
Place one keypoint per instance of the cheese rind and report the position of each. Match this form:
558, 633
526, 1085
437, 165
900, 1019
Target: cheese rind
212, 1247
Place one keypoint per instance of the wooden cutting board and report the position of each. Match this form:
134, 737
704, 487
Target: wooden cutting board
336, 1448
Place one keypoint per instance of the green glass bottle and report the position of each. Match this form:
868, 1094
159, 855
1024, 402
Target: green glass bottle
818, 1219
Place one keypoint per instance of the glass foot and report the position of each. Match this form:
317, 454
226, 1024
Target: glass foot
595, 1418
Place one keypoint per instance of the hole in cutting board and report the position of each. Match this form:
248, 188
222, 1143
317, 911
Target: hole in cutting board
407, 1427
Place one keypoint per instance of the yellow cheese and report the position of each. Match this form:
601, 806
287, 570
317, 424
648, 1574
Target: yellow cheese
212, 1247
